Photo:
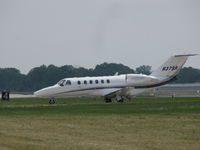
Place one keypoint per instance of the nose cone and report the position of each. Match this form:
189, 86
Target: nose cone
39, 93
46, 92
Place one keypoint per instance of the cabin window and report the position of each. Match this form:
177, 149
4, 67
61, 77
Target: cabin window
68, 82
102, 81
108, 81
91, 81
61, 82
96, 81
85, 82
79, 82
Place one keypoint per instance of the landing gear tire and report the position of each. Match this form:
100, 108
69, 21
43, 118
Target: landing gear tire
108, 100
121, 100
52, 101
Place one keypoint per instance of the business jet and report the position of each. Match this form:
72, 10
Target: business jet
117, 86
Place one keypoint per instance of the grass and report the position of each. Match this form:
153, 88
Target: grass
89, 123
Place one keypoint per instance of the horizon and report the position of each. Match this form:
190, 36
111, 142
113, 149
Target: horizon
87, 67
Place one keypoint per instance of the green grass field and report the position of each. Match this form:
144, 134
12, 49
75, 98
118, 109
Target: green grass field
91, 124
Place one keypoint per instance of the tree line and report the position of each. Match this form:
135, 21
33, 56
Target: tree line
13, 80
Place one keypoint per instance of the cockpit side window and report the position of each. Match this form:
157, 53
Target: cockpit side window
61, 82
68, 82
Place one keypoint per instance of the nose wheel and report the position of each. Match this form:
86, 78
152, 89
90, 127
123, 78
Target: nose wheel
52, 101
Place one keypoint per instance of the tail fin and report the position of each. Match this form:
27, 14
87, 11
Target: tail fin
171, 67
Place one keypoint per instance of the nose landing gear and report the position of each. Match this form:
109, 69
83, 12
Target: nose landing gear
52, 101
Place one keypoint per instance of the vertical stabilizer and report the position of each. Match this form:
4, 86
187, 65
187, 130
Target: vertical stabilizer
171, 67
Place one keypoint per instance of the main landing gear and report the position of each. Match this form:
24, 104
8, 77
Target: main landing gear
118, 99
108, 100
52, 101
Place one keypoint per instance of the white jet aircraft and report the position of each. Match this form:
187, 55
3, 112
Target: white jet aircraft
117, 86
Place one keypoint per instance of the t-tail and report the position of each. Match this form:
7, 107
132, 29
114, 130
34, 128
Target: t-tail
171, 67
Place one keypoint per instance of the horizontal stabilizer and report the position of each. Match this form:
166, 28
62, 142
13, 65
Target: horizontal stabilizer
186, 55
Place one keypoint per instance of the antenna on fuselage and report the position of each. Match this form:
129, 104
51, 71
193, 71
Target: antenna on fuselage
117, 73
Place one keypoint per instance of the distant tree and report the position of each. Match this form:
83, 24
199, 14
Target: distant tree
188, 75
67, 71
106, 69
144, 69
39, 77
12, 79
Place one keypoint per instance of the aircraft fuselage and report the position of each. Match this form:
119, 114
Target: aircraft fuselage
95, 86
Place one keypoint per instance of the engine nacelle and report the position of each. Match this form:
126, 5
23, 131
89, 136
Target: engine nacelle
140, 79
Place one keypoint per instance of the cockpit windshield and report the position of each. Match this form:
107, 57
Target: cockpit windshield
61, 82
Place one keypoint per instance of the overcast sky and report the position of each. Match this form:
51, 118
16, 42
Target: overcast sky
89, 32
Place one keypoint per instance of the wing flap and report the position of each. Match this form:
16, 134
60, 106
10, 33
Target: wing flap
119, 92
